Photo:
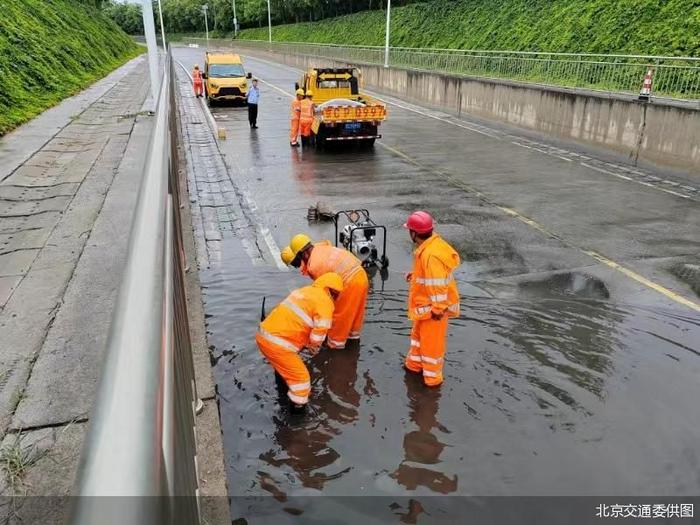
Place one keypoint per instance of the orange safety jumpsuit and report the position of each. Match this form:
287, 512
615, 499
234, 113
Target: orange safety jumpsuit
294, 116
433, 298
197, 82
306, 117
349, 314
300, 321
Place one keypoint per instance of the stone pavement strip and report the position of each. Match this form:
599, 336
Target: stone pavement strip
65, 212
68, 186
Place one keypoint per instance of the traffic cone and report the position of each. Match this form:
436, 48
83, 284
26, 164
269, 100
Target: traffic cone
645, 93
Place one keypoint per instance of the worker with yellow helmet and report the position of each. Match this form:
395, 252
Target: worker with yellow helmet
294, 116
300, 322
306, 116
316, 259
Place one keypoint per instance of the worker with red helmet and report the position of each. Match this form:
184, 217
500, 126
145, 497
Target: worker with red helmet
433, 297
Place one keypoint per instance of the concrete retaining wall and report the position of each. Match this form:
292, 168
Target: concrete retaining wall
663, 133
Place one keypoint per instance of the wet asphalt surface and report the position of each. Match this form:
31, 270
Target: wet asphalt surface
563, 376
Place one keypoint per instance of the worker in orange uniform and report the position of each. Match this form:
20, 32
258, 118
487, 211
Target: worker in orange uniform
299, 322
197, 81
294, 116
315, 260
432, 299
306, 117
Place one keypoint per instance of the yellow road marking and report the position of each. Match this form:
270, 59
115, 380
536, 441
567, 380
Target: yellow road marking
537, 226
275, 87
643, 280
534, 224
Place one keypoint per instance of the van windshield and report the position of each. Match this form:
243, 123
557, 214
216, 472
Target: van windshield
226, 70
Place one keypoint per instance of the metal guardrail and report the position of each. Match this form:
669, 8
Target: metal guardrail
139, 463
674, 77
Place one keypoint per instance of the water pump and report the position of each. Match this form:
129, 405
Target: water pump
357, 232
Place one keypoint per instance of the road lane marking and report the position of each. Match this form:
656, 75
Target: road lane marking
643, 280
539, 227
533, 224
430, 115
258, 224
290, 95
507, 135
619, 176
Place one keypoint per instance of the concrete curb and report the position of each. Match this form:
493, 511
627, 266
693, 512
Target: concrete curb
219, 131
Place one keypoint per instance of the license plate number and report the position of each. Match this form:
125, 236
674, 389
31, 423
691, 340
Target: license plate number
353, 126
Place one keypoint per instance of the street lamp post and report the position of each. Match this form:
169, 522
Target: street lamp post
235, 20
269, 23
162, 27
150, 33
205, 7
388, 28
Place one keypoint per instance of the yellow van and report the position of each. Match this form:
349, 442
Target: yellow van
224, 77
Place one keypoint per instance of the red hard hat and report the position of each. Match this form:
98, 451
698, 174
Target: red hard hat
419, 222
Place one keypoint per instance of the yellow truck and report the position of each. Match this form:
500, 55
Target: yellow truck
224, 78
343, 112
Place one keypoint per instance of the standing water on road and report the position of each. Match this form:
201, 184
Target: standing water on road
544, 388
562, 376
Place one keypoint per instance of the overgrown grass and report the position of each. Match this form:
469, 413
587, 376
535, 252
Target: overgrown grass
51, 49
658, 27
16, 459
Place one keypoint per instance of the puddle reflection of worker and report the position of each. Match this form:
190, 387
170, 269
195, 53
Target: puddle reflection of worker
304, 443
422, 449
340, 399
305, 450
303, 169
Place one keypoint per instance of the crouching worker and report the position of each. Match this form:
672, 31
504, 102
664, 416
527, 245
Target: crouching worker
300, 322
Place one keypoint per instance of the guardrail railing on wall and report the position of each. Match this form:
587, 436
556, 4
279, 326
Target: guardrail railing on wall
674, 77
139, 462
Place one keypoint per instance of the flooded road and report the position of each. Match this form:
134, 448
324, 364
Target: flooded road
563, 376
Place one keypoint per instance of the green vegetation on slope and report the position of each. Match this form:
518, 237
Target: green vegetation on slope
51, 49
658, 27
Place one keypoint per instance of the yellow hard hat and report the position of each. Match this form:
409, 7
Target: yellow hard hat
299, 242
300, 92
309, 93
330, 281
287, 255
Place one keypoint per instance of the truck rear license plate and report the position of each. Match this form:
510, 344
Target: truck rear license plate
353, 126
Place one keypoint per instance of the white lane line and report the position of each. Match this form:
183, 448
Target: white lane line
290, 95
392, 102
263, 230
601, 170
549, 153
431, 115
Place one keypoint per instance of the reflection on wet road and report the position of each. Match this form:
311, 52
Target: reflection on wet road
544, 394
561, 377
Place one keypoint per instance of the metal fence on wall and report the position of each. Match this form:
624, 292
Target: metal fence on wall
674, 77
139, 463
